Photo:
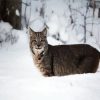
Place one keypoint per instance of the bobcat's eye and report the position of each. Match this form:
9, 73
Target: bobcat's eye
42, 40
45, 37
34, 41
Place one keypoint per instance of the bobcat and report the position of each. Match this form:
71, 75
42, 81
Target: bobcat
62, 59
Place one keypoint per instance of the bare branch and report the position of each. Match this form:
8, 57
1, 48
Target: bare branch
78, 11
71, 17
27, 4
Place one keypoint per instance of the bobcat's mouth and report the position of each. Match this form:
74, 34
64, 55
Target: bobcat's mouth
38, 48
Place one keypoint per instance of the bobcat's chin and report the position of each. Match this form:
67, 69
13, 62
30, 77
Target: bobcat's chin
38, 51
38, 55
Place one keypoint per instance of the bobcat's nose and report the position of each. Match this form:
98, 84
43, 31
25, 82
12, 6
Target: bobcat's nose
38, 46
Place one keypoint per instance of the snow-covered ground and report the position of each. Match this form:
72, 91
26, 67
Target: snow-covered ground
20, 79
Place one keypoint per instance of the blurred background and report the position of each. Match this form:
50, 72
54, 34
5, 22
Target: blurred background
68, 21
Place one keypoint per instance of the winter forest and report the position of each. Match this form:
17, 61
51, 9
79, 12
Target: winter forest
69, 22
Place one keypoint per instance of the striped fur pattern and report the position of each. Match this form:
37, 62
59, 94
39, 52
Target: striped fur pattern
62, 59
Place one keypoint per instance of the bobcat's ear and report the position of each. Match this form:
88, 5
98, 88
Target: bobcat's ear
44, 32
31, 32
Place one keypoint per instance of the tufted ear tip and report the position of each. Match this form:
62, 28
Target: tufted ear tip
31, 31
44, 31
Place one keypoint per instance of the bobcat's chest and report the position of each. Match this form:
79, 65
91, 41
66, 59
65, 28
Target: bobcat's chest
43, 65
37, 59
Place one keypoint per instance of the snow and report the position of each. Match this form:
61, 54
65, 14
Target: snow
17, 12
5, 28
53, 24
37, 25
57, 18
52, 41
7, 34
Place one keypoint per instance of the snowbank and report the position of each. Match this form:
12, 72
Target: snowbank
37, 25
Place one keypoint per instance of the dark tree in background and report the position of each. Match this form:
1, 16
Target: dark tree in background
10, 11
95, 4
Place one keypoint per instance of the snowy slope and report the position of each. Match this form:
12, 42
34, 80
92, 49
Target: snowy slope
20, 80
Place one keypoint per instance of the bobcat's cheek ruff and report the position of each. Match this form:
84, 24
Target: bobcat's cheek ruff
32, 51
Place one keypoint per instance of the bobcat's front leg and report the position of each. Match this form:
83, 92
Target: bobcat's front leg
46, 71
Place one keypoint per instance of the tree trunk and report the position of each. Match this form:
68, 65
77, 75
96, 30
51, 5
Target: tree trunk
10, 11
99, 13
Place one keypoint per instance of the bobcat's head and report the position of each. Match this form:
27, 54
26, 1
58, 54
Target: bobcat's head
38, 41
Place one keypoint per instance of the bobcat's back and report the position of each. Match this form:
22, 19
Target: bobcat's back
73, 59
